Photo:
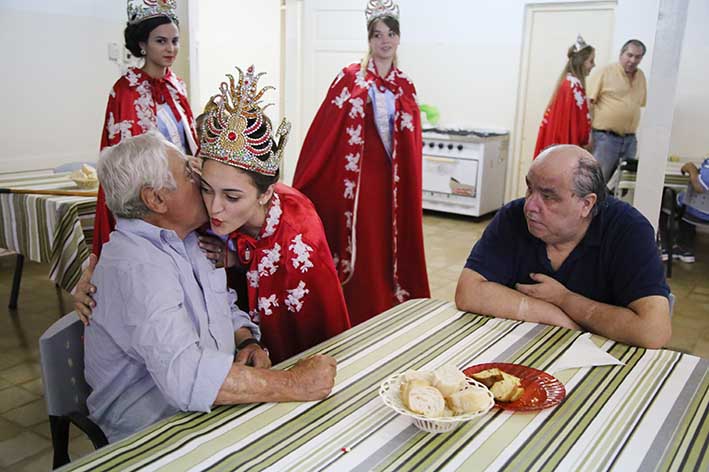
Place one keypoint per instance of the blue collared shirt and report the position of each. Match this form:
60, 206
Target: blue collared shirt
161, 339
616, 262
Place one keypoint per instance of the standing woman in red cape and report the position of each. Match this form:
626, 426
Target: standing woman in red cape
567, 119
361, 166
146, 98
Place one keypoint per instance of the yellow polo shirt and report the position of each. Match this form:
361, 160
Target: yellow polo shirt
617, 100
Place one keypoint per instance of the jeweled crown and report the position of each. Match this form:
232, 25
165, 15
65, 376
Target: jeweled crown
237, 133
139, 10
580, 44
379, 8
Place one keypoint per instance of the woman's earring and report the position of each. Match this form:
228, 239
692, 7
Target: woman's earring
142, 52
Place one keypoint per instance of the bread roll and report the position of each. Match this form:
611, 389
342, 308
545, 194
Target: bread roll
448, 379
426, 401
468, 400
488, 377
508, 389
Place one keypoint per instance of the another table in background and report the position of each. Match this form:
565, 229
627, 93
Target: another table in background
46, 228
648, 414
622, 182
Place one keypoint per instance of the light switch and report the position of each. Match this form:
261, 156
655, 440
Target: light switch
114, 51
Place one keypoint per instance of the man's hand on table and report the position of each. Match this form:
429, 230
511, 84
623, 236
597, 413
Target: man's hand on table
313, 378
83, 302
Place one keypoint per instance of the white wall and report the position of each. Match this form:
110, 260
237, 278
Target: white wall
55, 81
232, 33
56, 78
690, 130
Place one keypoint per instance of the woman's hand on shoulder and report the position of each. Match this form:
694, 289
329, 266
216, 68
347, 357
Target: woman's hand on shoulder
83, 300
217, 251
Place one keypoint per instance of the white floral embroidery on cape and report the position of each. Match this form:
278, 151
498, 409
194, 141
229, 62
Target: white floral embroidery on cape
253, 278
265, 304
294, 300
274, 217
302, 254
352, 162
268, 265
344, 96
122, 127
355, 136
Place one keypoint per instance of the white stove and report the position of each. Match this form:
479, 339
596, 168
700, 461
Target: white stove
464, 170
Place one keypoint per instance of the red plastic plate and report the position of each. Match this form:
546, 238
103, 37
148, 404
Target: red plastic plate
541, 390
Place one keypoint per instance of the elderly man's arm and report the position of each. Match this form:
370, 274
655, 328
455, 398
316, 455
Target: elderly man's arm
476, 294
310, 379
644, 322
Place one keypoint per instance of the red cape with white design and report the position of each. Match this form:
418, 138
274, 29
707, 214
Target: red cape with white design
294, 293
567, 120
132, 111
369, 202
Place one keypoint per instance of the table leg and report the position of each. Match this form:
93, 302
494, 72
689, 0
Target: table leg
15, 291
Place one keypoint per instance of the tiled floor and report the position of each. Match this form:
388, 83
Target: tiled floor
24, 430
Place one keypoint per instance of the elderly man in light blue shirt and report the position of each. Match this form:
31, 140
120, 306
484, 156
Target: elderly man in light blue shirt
165, 329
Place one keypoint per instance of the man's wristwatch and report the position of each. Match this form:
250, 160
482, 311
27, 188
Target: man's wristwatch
250, 341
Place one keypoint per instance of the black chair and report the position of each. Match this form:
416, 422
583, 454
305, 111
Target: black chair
672, 215
61, 352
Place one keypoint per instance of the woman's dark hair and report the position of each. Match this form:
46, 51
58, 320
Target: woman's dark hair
139, 32
390, 21
262, 182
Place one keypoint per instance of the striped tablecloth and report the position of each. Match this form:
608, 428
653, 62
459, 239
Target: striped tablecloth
45, 228
649, 414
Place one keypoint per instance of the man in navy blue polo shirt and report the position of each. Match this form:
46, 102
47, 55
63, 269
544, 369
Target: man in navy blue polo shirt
568, 255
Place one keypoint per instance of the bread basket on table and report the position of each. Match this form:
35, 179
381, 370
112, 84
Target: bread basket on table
389, 393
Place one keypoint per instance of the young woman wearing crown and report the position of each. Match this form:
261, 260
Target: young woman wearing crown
146, 98
361, 166
566, 119
293, 289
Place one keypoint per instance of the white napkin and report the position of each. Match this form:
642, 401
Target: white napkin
583, 353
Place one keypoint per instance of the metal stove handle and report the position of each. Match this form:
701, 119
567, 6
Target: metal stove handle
445, 160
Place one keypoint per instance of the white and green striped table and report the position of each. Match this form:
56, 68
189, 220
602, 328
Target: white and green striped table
46, 228
649, 414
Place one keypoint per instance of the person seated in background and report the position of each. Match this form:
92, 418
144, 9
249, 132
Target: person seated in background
695, 202
567, 255
165, 328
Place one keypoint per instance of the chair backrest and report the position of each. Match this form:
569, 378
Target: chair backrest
61, 352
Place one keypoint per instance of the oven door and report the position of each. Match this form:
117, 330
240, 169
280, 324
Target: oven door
450, 176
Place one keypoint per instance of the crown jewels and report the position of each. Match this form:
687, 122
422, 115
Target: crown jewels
139, 10
379, 8
580, 44
237, 133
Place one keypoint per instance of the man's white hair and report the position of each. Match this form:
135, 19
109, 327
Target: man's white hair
134, 163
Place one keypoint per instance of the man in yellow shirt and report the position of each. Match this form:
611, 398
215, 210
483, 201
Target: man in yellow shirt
616, 97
